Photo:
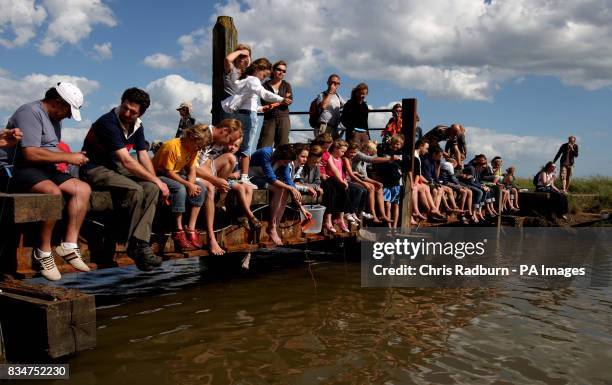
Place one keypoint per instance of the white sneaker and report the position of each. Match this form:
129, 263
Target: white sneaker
352, 219
367, 215
47, 265
73, 257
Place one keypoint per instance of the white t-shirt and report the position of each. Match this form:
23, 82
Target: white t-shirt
251, 90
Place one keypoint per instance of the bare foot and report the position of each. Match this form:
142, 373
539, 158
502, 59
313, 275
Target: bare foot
275, 238
423, 217
214, 247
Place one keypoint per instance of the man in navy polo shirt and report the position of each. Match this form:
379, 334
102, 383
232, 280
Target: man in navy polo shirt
132, 181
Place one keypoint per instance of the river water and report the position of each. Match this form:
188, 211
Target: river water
297, 319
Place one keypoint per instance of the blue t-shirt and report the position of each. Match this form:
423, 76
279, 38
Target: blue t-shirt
38, 131
106, 136
261, 166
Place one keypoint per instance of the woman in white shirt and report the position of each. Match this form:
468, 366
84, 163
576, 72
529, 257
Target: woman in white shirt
245, 104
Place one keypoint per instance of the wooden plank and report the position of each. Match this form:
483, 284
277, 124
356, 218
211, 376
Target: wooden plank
45, 322
225, 38
24, 208
100, 201
409, 123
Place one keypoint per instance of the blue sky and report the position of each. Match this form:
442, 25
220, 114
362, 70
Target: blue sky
520, 75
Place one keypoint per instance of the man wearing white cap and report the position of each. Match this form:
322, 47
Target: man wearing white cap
35, 170
186, 120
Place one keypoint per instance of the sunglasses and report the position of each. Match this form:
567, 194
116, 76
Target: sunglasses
280, 70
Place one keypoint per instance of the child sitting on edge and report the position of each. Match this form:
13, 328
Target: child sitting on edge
269, 169
211, 160
310, 175
355, 165
508, 181
175, 163
243, 191
297, 166
391, 175
335, 187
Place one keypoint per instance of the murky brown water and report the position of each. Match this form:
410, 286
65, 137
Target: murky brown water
301, 323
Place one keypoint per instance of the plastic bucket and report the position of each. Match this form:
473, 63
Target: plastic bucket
316, 223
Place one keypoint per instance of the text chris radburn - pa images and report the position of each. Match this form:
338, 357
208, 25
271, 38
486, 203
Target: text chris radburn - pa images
403, 248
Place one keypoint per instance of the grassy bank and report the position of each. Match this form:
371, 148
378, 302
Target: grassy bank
591, 194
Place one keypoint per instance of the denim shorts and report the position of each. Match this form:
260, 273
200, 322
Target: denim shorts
250, 129
392, 194
180, 197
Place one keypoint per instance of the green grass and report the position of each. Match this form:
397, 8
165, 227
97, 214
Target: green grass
600, 186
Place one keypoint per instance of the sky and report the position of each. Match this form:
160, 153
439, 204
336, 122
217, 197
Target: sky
520, 75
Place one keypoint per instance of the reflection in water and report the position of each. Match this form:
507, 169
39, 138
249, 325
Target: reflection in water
311, 324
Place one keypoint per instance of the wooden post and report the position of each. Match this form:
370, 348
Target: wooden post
41, 322
225, 39
409, 123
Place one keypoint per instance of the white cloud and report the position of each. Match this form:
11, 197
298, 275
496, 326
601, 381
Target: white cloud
161, 119
15, 92
160, 60
20, 18
73, 20
73, 133
527, 152
103, 51
459, 49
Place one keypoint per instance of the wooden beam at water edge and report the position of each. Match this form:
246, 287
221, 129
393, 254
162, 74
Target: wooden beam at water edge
225, 39
409, 124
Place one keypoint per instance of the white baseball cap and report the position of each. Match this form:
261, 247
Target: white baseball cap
73, 96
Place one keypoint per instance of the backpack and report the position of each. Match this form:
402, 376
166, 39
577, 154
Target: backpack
314, 113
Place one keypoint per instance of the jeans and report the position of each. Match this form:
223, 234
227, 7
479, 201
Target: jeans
250, 130
180, 197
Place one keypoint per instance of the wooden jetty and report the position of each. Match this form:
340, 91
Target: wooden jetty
39, 322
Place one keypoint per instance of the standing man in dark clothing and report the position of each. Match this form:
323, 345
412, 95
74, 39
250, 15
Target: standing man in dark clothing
186, 120
355, 116
567, 152
276, 124
132, 182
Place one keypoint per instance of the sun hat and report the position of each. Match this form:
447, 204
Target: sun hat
186, 105
73, 96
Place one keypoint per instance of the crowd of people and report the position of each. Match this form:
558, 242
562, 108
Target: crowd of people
356, 178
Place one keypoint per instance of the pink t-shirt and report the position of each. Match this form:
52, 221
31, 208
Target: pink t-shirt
323, 164
337, 163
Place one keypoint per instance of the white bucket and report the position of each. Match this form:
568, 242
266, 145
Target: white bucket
318, 212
